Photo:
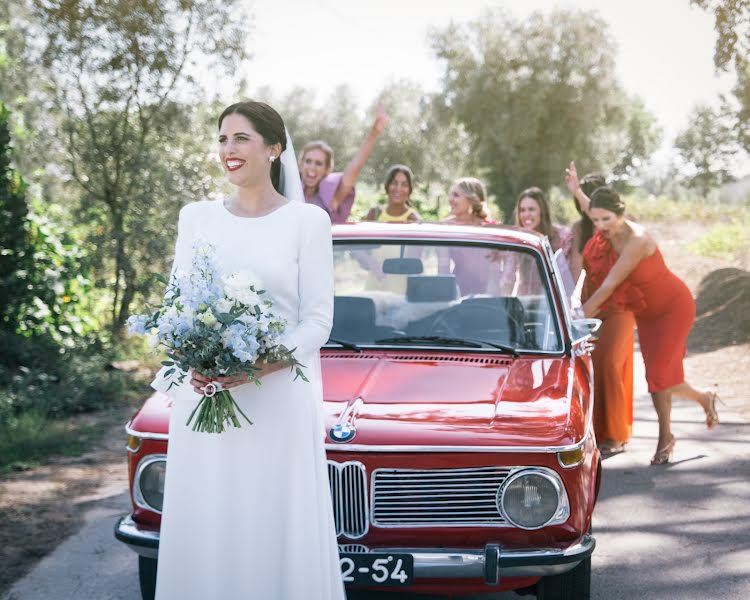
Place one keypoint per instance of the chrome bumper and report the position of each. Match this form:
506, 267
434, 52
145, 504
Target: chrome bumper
142, 541
490, 563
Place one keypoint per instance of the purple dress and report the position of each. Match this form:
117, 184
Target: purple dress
324, 198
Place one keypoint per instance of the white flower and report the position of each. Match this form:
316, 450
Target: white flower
208, 319
223, 305
239, 286
152, 339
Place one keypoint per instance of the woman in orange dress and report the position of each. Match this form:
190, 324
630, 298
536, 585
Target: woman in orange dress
613, 352
664, 312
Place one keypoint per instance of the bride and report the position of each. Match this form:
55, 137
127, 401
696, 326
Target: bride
247, 513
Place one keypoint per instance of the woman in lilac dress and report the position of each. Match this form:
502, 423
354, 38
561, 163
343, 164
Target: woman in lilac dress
533, 213
471, 268
334, 192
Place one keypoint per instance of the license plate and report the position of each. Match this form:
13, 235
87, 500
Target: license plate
376, 568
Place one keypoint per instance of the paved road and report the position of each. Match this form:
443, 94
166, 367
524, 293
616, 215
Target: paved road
676, 532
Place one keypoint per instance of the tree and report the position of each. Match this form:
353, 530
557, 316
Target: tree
732, 25
535, 94
435, 148
118, 70
15, 256
732, 50
336, 120
42, 280
707, 147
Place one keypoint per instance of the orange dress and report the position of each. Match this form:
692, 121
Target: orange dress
613, 351
664, 323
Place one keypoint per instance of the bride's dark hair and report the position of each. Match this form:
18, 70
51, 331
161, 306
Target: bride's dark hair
267, 122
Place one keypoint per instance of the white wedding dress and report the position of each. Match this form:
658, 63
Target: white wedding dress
247, 513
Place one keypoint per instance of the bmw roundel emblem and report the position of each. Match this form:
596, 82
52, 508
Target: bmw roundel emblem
342, 432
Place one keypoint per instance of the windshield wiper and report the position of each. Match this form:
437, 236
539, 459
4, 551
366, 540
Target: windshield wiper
344, 344
449, 341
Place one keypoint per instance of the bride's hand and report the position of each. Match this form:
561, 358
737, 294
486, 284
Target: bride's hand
200, 380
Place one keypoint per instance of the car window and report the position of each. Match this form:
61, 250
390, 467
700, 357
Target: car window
491, 294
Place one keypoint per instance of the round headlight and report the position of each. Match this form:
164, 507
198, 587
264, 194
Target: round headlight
530, 499
150, 482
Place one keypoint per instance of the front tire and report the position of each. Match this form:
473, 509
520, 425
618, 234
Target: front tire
573, 585
147, 577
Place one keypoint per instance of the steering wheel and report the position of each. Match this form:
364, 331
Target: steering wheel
448, 323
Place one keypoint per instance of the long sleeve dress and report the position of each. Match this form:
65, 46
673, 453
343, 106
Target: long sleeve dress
247, 513
613, 351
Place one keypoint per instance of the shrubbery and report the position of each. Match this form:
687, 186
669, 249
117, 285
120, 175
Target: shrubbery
52, 360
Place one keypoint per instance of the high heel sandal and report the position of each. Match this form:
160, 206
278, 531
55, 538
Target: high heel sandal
712, 416
664, 453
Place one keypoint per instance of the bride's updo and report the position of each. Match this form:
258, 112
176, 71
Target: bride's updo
267, 122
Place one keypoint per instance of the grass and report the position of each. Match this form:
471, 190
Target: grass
729, 241
33, 438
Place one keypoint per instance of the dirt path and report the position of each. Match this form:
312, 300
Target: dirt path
41, 507
712, 358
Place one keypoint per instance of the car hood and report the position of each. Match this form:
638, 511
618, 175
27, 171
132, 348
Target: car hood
393, 399
443, 400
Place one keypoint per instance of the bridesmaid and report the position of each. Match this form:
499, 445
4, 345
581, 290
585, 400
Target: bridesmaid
468, 202
613, 352
663, 305
334, 192
533, 213
398, 187
398, 209
583, 229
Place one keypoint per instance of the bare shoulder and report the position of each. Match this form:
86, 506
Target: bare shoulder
640, 241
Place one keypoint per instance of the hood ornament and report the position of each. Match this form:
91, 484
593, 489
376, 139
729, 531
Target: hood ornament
343, 432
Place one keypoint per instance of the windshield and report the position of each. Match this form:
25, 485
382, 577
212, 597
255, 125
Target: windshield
442, 294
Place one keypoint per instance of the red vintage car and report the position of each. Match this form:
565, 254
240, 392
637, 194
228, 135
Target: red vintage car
458, 394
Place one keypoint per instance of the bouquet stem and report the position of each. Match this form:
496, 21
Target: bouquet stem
216, 412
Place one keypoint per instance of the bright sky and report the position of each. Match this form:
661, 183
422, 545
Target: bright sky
665, 47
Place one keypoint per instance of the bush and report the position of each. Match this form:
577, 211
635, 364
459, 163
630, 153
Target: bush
727, 241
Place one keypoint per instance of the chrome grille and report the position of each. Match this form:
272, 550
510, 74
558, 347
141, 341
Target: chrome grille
348, 483
437, 497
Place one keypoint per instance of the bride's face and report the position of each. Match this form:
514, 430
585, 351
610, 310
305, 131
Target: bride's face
243, 152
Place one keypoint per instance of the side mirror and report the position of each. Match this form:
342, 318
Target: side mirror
585, 329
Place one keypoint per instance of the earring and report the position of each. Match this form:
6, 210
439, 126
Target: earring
271, 159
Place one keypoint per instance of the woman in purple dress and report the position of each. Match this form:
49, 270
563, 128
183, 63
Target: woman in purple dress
334, 192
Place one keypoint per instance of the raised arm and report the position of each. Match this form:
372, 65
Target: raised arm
354, 168
634, 251
571, 180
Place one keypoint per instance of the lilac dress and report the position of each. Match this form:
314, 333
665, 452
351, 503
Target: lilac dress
324, 198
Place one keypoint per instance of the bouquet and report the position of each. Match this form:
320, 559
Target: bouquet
219, 324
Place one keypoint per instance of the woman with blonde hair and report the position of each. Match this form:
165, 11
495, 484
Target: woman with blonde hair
334, 192
468, 202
